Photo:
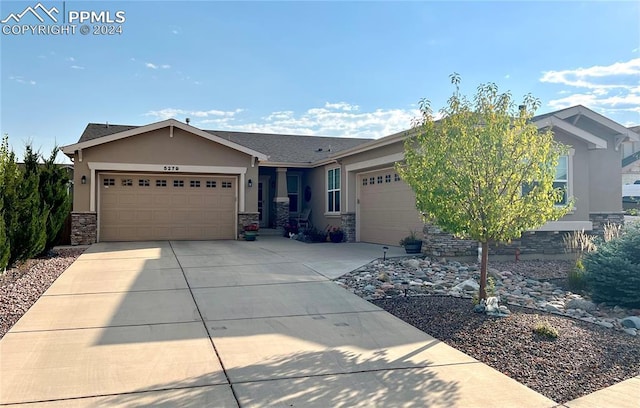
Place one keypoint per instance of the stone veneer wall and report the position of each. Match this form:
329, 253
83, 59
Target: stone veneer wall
348, 225
84, 228
599, 220
282, 214
439, 243
247, 218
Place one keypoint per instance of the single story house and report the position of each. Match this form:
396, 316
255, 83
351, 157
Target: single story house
171, 180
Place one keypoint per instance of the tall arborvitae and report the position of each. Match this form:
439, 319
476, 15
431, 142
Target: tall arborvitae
9, 178
30, 237
54, 195
4, 244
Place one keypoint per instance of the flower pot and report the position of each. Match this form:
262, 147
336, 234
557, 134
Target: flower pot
250, 235
413, 247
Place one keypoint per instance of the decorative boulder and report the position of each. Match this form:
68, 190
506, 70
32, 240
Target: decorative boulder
467, 286
632, 322
580, 304
411, 263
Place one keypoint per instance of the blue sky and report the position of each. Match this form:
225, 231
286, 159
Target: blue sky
352, 69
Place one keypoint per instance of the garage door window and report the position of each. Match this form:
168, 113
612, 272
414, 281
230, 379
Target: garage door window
211, 184
161, 183
194, 183
127, 182
109, 182
333, 190
143, 182
178, 183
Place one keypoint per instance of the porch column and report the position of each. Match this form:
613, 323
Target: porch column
281, 199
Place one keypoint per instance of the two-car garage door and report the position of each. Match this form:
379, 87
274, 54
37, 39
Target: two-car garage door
138, 207
386, 208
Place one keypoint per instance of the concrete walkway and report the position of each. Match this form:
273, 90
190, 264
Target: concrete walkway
228, 324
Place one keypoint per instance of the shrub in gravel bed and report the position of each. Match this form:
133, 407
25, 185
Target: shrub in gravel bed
613, 271
582, 359
22, 286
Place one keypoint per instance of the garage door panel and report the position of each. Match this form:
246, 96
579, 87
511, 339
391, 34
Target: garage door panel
386, 210
134, 210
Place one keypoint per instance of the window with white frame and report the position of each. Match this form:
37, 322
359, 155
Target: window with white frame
562, 179
333, 190
293, 191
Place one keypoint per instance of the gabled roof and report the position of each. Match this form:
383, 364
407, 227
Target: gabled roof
275, 149
587, 125
94, 137
293, 149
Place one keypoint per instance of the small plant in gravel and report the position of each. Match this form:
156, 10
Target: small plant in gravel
491, 290
545, 329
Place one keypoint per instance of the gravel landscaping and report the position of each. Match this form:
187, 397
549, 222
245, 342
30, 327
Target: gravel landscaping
592, 350
22, 285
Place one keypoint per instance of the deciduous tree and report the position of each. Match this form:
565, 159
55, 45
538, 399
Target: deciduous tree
483, 171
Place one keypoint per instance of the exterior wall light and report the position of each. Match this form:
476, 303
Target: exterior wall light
250, 183
83, 180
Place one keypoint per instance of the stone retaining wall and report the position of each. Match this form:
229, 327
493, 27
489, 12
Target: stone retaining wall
84, 228
439, 243
247, 218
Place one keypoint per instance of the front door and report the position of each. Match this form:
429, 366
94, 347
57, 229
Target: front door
263, 201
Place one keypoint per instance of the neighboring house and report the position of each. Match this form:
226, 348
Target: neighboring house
170, 180
631, 160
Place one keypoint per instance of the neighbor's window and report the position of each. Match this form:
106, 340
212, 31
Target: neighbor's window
333, 190
562, 179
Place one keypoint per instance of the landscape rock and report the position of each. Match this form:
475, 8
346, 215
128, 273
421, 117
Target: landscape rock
632, 332
631, 322
583, 304
411, 263
468, 285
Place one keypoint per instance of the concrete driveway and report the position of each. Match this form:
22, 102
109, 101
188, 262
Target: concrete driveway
229, 324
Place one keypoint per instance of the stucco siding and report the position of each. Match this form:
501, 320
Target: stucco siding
157, 147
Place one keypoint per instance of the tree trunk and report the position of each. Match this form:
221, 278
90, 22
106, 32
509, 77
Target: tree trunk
483, 271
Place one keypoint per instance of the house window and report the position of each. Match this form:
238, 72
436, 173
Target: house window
333, 190
161, 183
293, 191
109, 182
178, 183
211, 184
194, 183
143, 182
127, 182
562, 179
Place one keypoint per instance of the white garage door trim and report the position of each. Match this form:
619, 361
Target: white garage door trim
165, 168
101, 175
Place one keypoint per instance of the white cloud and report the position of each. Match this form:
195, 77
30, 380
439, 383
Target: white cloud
156, 66
609, 89
167, 113
22, 80
338, 119
77, 67
71, 59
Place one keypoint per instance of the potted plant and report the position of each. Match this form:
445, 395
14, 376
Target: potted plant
251, 231
336, 234
411, 243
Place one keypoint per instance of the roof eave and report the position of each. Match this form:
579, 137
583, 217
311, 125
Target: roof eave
70, 150
554, 121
